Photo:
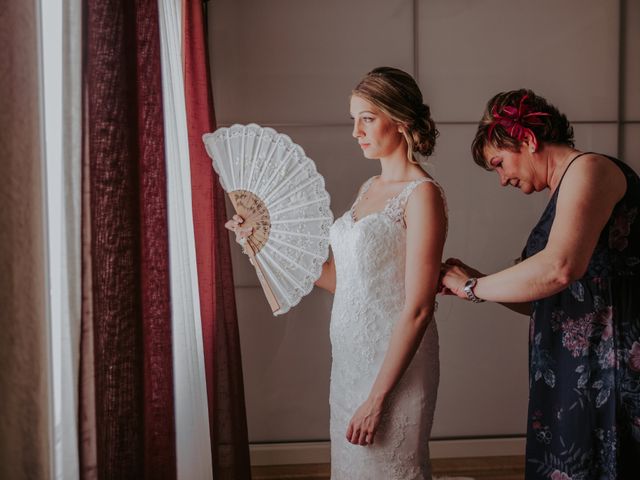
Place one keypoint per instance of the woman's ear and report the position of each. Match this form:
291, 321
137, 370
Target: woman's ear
530, 142
402, 128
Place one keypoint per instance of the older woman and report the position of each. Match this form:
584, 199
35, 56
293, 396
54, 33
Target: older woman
579, 279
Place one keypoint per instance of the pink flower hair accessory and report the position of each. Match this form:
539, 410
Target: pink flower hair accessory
516, 121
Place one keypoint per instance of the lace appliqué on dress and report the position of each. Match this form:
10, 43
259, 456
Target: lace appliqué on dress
370, 255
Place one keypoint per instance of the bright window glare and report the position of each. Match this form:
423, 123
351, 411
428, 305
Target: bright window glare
51, 15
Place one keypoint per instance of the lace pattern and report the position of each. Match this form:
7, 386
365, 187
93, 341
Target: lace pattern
395, 205
270, 166
370, 262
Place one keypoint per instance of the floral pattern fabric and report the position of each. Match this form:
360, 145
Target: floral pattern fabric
584, 357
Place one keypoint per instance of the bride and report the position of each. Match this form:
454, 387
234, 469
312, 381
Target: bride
387, 251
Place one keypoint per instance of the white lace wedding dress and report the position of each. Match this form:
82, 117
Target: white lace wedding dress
370, 262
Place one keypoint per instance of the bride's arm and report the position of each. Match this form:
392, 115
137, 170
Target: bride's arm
327, 278
426, 230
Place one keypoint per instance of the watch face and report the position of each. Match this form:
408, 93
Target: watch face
468, 289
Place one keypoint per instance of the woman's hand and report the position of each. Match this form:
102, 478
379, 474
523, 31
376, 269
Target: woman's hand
454, 275
364, 424
235, 225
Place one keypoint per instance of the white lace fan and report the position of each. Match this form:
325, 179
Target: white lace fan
275, 187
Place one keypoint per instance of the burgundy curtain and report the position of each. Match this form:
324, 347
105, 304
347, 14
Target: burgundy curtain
127, 409
227, 417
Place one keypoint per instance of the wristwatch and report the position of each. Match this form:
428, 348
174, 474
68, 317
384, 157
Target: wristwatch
468, 289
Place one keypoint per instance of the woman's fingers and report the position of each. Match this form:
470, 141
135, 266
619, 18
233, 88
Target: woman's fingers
454, 261
244, 232
349, 431
360, 434
363, 438
359, 437
234, 223
230, 225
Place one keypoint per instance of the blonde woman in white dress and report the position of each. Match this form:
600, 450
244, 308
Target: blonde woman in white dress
387, 251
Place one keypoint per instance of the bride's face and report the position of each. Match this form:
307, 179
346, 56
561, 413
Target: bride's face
377, 134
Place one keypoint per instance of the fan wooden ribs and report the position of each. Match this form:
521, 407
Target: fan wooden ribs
255, 215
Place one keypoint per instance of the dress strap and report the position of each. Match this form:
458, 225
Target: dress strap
566, 169
398, 204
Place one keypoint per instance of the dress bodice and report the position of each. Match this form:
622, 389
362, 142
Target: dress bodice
370, 252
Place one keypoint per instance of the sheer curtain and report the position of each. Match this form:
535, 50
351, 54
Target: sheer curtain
192, 433
227, 418
62, 28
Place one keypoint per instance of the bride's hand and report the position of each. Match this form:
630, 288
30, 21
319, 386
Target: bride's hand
235, 225
364, 424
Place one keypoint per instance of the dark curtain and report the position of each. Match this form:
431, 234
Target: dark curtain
127, 407
225, 390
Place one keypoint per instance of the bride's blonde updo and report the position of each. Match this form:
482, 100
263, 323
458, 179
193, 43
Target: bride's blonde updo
397, 94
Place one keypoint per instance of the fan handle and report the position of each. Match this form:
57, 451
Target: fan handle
249, 249
247, 205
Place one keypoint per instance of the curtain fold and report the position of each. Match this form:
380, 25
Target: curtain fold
127, 406
25, 416
66, 413
227, 417
192, 433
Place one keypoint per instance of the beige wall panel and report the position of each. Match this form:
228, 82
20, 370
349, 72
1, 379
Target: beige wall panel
632, 60
483, 348
484, 377
597, 137
631, 151
288, 61
338, 158
566, 51
286, 362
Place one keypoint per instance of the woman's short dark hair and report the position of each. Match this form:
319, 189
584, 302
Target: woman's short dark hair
549, 126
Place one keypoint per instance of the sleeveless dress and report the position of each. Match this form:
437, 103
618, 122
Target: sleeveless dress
369, 256
584, 356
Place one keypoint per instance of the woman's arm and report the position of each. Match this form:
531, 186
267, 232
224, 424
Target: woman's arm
327, 278
426, 227
590, 190
525, 308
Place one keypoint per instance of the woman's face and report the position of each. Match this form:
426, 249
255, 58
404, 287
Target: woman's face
378, 135
517, 169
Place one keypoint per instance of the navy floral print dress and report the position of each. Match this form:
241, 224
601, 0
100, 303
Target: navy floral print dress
584, 356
